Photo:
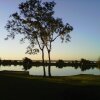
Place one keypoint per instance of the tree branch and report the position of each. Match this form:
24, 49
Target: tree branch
55, 38
38, 43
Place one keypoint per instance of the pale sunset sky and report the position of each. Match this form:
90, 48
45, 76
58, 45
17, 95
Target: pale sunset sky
83, 15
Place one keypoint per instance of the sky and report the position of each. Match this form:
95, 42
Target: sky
83, 15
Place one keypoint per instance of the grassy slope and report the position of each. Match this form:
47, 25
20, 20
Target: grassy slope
21, 87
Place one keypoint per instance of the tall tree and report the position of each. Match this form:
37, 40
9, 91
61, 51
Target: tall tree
29, 23
37, 23
56, 29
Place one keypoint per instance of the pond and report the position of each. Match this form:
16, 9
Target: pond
55, 71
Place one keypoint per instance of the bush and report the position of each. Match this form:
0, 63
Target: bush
60, 63
27, 63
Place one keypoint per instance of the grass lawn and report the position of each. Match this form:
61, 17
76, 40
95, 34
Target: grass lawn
20, 86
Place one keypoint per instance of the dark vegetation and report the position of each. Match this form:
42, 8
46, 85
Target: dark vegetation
21, 87
98, 62
36, 22
27, 63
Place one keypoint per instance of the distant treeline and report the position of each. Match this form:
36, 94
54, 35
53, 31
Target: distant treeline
28, 61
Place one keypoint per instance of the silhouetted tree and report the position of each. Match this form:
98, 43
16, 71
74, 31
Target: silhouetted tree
37, 23
30, 22
56, 29
60, 63
99, 60
53, 28
85, 62
0, 61
27, 63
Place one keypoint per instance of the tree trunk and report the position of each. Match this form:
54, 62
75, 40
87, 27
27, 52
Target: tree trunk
49, 67
43, 64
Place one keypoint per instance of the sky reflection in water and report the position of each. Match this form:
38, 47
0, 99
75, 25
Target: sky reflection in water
65, 71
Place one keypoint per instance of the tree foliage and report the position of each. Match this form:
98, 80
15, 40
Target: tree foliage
35, 20
27, 63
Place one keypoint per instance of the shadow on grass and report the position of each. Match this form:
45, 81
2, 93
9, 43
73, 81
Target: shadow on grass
39, 88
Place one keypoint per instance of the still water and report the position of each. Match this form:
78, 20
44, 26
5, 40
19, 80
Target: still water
65, 71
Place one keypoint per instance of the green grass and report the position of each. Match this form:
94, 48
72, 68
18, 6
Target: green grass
21, 86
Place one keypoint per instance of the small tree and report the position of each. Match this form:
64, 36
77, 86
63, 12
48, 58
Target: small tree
27, 63
60, 63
